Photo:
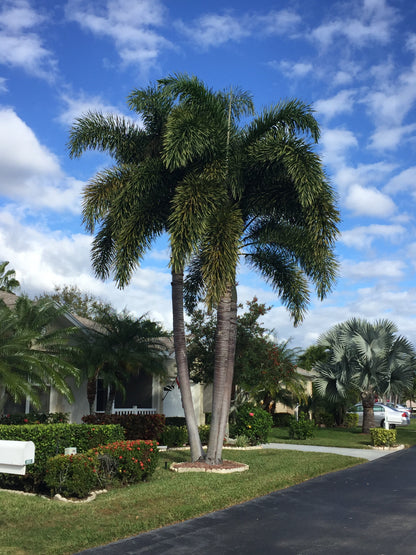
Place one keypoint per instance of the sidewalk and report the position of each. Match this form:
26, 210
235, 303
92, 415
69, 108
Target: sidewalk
369, 454
369, 509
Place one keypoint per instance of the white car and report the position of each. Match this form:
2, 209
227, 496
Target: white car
382, 413
400, 407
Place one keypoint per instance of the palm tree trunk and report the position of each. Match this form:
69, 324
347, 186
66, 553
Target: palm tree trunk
223, 377
367, 399
92, 391
179, 341
110, 398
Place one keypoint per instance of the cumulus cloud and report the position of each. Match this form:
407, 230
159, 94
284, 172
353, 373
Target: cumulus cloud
43, 258
20, 45
292, 69
404, 181
29, 172
384, 269
369, 201
370, 22
385, 138
341, 103
214, 29
131, 25
81, 103
362, 237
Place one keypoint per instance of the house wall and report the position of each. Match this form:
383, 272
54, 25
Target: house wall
78, 408
172, 404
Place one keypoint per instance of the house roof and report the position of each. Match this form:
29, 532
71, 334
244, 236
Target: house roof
9, 299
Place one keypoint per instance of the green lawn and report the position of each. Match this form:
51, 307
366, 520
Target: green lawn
343, 437
167, 498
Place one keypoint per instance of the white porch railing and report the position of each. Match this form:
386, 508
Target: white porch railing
133, 410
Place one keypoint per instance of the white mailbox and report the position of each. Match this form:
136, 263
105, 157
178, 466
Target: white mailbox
15, 455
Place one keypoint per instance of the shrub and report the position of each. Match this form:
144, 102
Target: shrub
253, 422
136, 426
127, 461
204, 433
281, 419
35, 418
351, 420
324, 419
73, 475
50, 441
241, 441
175, 421
302, 428
383, 438
174, 436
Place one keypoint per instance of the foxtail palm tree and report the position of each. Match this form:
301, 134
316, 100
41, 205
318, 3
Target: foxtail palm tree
128, 207
257, 193
8, 281
369, 358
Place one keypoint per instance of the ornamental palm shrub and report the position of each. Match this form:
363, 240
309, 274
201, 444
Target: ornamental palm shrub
253, 422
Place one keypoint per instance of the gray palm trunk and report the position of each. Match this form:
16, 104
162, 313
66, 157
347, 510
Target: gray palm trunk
223, 373
367, 399
179, 341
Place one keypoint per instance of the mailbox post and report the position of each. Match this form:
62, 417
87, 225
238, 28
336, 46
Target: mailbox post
15, 455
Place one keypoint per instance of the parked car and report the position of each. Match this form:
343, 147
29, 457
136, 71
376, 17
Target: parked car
400, 407
381, 413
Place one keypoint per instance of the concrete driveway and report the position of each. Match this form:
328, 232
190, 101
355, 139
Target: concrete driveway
369, 509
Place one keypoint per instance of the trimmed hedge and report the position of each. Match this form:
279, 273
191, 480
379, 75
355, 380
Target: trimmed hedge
52, 440
35, 418
381, 437
136, 426
115, 464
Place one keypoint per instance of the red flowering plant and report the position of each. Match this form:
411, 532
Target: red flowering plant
252, 422
129, 461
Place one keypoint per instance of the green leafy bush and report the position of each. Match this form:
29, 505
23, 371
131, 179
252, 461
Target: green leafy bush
73, 475
302, 428
241, 441
35, 418
253, 422
204, 433
174, 436
50, 441
281, 419
324, 419
381, 437
136, 426
175, 421
351, 420
127, 461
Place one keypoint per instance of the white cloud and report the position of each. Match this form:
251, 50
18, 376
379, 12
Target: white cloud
341, 103
385, 138
214, 29
362, 237
21, 47
369, 201
336, 143
369, 23
43, 259
131, 25
3, 86
78, 105
29, 172
383, 269
292, 69
404, 181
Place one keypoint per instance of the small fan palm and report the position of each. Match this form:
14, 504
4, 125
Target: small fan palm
369, 358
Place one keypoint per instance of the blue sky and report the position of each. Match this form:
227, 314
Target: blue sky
354, 61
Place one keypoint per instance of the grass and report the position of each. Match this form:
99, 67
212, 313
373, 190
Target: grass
343, 437
167, 498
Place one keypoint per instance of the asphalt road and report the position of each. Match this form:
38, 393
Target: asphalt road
368, 509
